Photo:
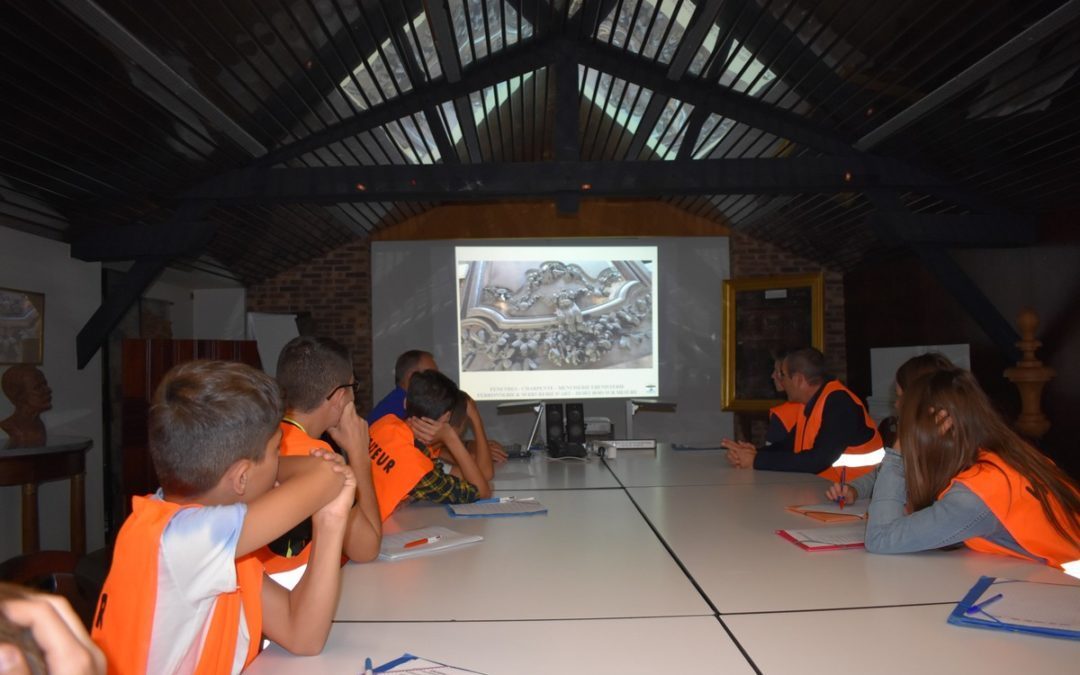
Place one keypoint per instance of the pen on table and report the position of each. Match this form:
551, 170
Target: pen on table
843, 485
421, 542
979, 607
367, 666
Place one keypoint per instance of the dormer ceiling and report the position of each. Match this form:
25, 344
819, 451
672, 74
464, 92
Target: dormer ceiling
245, 136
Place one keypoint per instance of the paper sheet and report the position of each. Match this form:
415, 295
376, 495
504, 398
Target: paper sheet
827, 537
516, 507
393, 545
1022, 603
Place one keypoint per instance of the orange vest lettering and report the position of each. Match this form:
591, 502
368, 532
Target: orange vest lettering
807, 428
124, 620
397, 465
1008, 495
294, 443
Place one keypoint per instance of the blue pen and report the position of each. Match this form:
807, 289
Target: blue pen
367, 666
979, 607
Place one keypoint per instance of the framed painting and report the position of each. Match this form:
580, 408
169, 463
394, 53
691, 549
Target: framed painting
22, 327
763, 316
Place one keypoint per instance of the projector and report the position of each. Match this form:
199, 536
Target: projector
597, 426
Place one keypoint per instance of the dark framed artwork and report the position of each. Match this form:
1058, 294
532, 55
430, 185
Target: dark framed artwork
22, 327
761, 317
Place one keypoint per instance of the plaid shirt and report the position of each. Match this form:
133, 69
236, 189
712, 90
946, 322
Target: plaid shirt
440, 487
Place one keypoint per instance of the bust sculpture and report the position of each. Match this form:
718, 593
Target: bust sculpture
26, 388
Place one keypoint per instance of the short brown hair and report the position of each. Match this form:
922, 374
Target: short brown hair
309, 368
207, 415
407, 362
808, 361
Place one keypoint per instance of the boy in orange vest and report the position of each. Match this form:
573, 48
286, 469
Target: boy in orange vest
402, 466
317, 377
186, 592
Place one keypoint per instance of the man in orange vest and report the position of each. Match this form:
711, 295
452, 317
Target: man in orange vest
402, 466
185, 592
317, 377
833, 430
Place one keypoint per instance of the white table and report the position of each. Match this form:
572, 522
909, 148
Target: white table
725, 536
540, 472
900, 640
650, 645
591, 556
664, 466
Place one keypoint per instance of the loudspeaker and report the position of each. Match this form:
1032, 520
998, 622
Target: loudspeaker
575, 423
556, 428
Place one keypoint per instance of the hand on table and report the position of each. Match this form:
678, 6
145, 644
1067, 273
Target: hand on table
740, 453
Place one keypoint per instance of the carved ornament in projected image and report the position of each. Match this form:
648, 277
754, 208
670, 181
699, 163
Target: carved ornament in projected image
552, 315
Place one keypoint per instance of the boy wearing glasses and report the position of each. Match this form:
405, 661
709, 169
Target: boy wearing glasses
316, 375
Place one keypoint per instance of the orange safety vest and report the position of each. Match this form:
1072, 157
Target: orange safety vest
807, 428
397, 465
294, 443
1007, 493
787, 413
124, 620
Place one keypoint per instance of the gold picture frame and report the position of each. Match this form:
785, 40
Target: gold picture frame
762, 316
22, 327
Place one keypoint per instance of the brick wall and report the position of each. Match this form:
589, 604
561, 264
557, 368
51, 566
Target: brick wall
754, 258
335, 292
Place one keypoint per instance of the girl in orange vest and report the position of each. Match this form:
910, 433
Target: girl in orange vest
965, 476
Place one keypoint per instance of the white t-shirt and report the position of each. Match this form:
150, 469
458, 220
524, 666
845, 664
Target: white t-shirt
196, 564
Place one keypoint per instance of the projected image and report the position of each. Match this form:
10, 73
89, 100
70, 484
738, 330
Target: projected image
550, 315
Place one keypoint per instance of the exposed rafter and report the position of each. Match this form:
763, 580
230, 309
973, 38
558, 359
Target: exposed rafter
185, 233
548, 179
1048, 26
950, 275
123, 40
954, 230
508, 63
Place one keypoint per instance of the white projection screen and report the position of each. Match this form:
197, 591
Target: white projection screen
557, 322
414, 305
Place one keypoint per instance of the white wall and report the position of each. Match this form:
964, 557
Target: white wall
72, 293
219, 314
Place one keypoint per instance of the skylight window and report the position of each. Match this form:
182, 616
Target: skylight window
654, 29
481, 28
479, 34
